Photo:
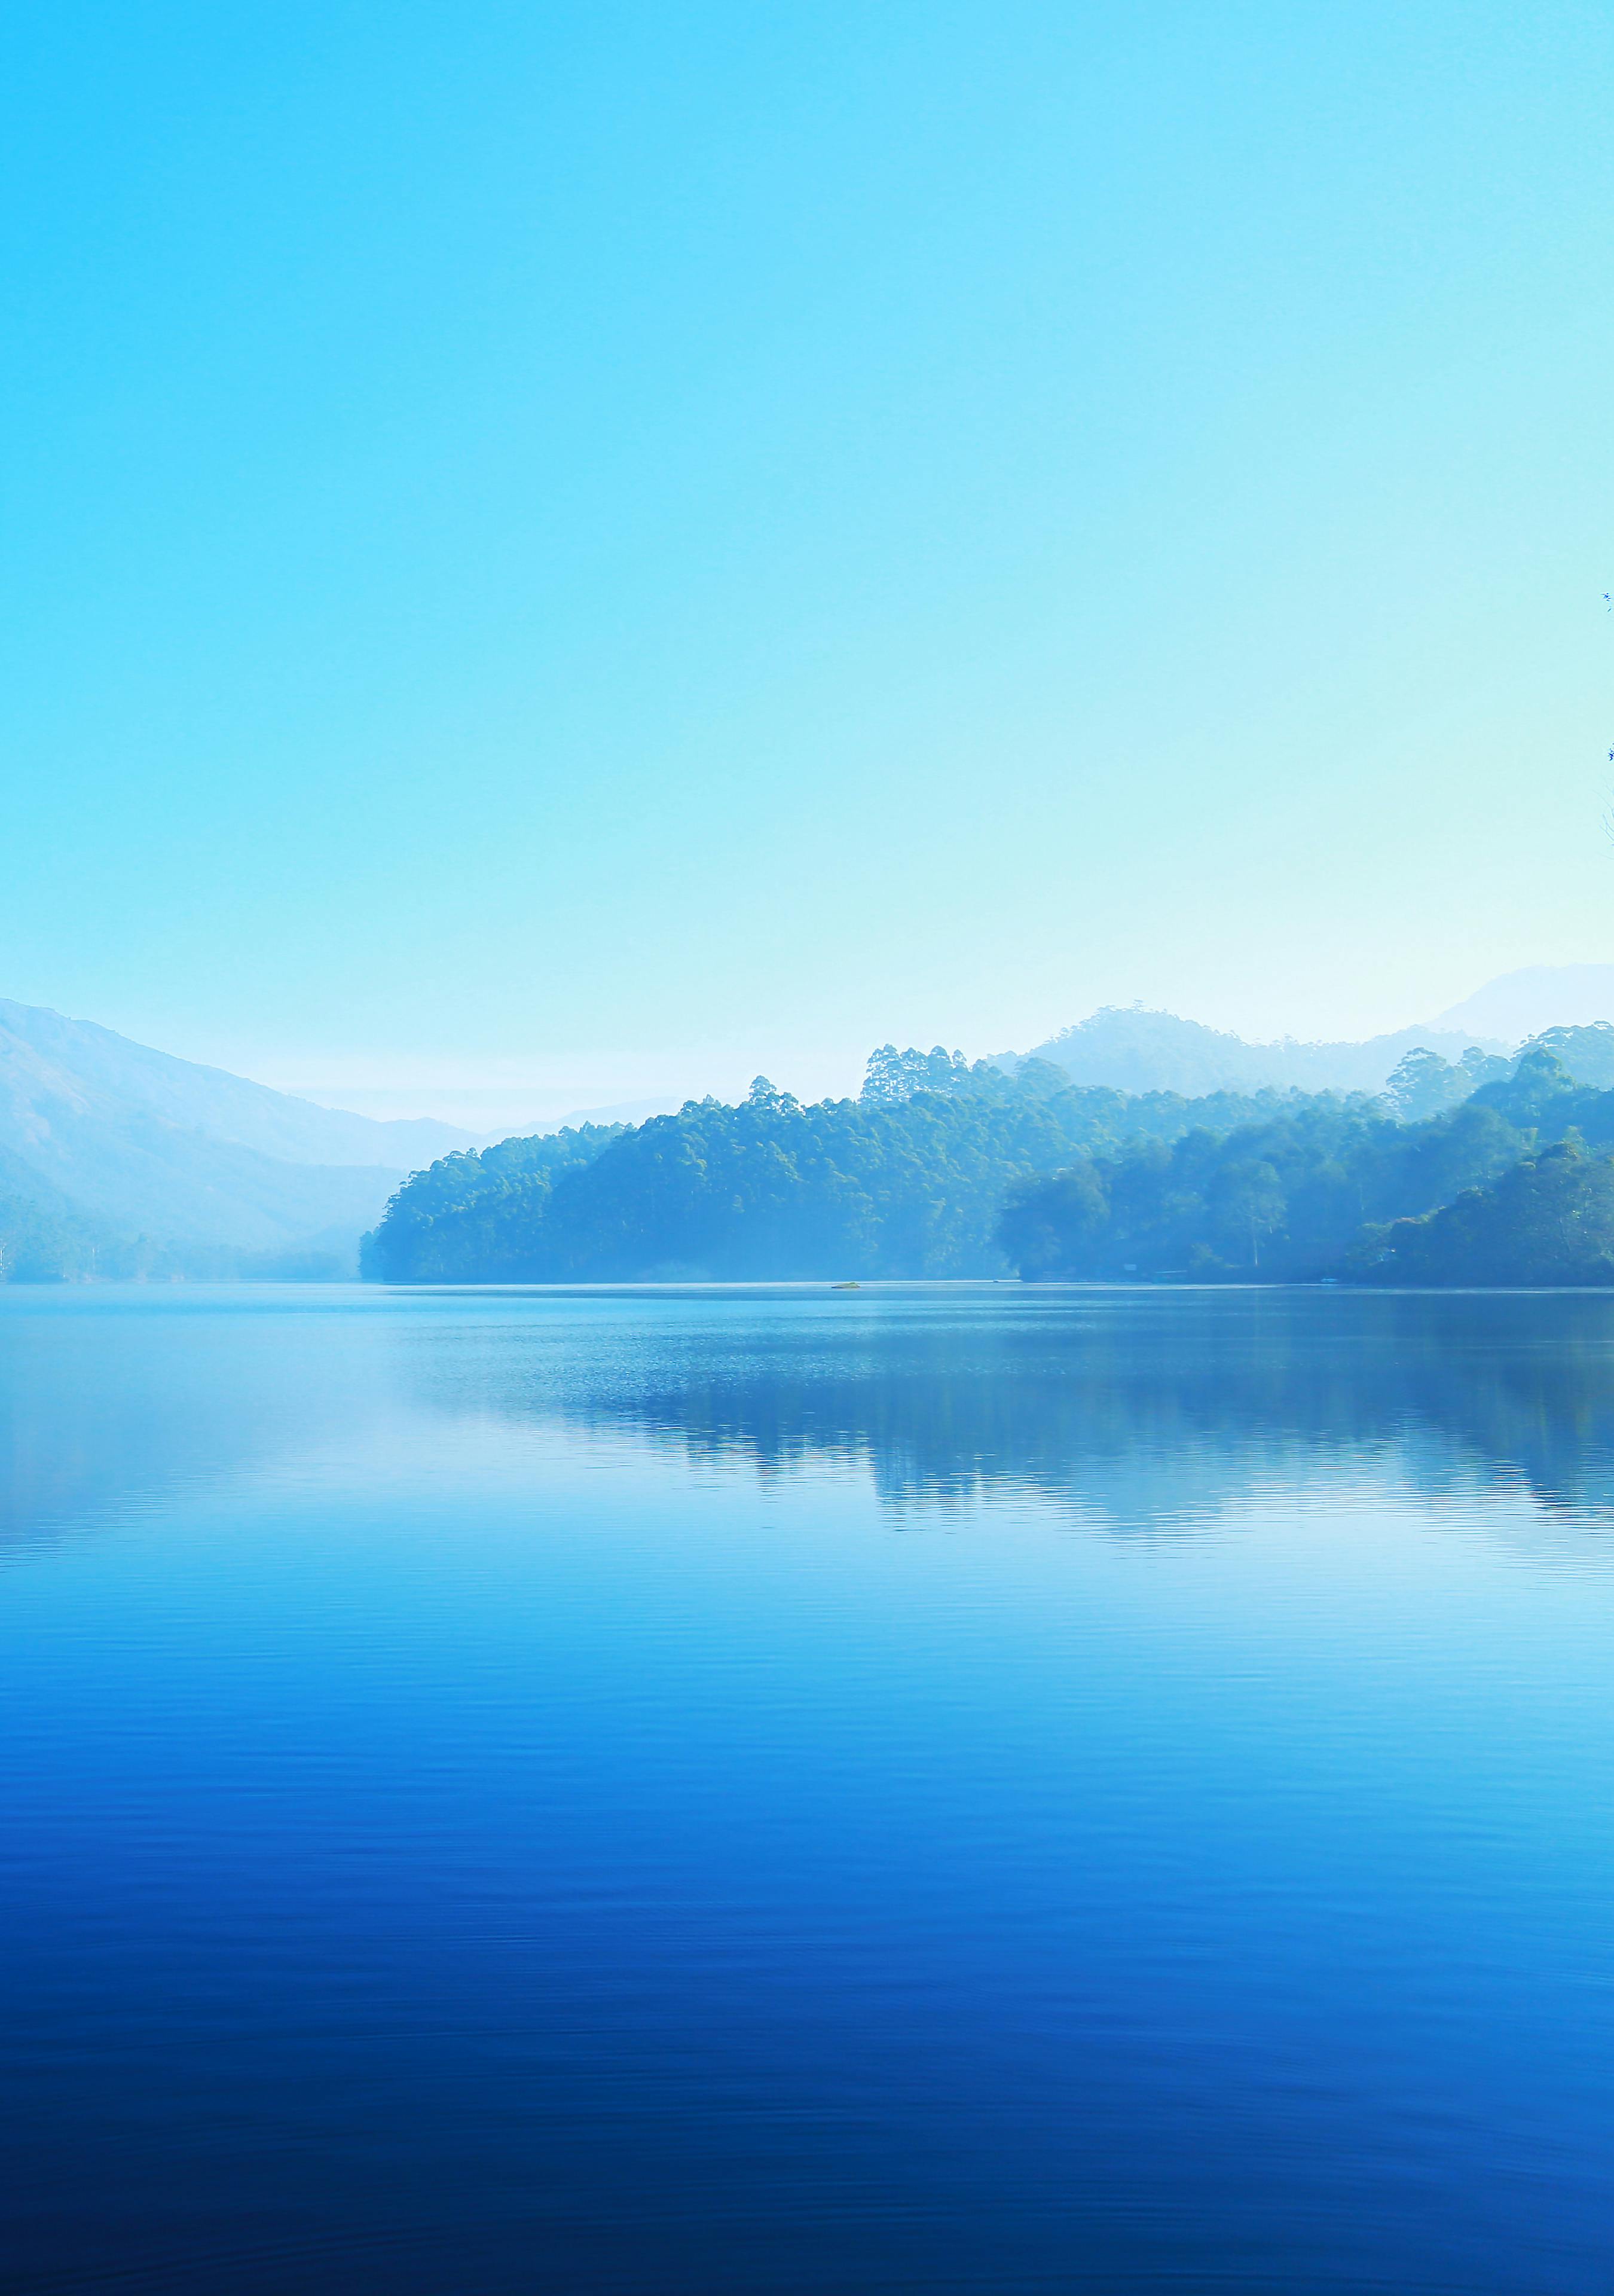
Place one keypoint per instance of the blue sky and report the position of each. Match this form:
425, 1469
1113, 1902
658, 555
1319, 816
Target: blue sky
571, 551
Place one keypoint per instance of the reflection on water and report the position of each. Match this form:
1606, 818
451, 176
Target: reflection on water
1136, 1407
1131, 1410
494, 1801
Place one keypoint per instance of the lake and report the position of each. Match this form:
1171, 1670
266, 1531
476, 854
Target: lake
935, 1788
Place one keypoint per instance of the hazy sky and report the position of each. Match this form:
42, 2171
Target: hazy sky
611, 545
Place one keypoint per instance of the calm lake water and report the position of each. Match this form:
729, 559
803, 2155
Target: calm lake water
927, 1789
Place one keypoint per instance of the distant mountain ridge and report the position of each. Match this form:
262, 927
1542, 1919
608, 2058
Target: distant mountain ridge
105, 1144
116, 1158
35, 1040
1133, 1050
1137, 1050
1524, 1004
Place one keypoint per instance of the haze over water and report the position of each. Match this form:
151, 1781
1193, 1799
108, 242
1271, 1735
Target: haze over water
958, 1788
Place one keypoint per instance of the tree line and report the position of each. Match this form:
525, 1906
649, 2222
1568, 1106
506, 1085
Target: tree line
1501, 1187
908, 1179
942, 1168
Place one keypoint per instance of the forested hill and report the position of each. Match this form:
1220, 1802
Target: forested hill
1288, 1197
909, 1179
1324, 1186
944, 1169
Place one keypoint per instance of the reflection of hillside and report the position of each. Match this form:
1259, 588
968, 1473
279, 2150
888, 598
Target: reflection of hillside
1140, 1406
1135, 1408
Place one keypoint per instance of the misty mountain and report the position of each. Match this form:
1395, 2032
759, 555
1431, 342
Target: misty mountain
34, 1041
617, 1111
1133, 1050
1541, 997
104, 1142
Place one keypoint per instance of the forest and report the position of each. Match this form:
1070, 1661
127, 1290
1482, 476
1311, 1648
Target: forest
908, 1179
1548, 1219
1353, 1188
945, 1168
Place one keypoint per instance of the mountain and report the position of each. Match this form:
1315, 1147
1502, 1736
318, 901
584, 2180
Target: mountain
1520, 1005
34, 1039
1133, 1050
116, 1157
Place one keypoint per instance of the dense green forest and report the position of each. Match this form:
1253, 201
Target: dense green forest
1549, 1220
1282, 1199
947, 1168
942, 1168
464, 1218
1312, 1190
908, 1179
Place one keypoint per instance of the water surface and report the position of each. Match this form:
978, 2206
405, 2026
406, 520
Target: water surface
937, 1788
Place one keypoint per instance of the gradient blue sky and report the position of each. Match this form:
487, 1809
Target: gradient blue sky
583, 549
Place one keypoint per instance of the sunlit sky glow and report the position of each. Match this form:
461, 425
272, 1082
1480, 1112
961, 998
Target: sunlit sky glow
581, 551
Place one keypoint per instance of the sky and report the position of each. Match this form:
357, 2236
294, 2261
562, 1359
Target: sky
555, 553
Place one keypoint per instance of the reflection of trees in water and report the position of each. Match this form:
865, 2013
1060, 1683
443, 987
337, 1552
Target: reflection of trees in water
1138, 1406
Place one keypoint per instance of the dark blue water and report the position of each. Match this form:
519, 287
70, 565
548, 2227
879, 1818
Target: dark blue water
929, 1790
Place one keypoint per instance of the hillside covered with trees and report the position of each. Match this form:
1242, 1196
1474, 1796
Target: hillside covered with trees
1548, 1219
1282, 1199
942, 1168
1367, 1189
909, 1179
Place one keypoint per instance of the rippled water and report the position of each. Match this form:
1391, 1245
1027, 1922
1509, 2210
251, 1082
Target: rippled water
931, 1789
